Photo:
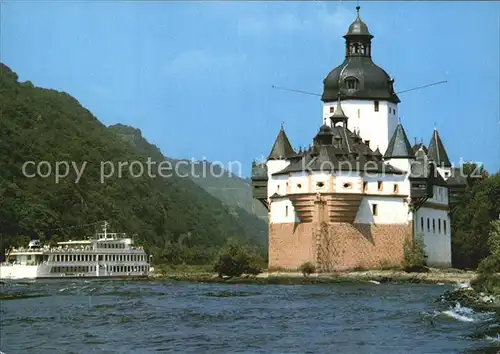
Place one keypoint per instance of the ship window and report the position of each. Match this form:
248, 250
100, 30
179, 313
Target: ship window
439, 225
374, 209
422, 224
428, 225
359, 113
444, 226
332, 109
434, 225
375, 106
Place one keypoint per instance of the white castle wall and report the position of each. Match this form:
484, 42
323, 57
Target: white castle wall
377, 127
436, 231
282, 211
390, 210
274, 166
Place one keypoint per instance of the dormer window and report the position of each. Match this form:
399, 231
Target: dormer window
332, 109
352, 83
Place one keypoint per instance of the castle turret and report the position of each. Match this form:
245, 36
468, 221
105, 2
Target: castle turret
399, 153
368, 96
280, 156
437, 154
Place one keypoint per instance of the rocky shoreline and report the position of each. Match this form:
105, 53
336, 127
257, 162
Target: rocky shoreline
434, 276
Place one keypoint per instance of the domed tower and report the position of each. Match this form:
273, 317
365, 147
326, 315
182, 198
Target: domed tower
367, 91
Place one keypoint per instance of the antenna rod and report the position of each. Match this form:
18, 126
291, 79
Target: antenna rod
299, 91
397, 93
420, 87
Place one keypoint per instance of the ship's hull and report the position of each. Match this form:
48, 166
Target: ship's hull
18, 271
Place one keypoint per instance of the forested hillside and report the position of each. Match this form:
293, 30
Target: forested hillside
45, 125
231, 190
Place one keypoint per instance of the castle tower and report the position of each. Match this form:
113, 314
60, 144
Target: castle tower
279, 158
399, 153
437, 154
368, 96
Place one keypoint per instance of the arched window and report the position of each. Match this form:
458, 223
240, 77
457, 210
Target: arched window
351, 83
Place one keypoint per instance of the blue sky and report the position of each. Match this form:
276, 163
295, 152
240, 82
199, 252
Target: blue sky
196, 77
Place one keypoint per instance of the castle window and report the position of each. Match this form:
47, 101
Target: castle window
380, 186
352, 83
390, 110
374, 209
422, 224
320, 184
286, 210
347, 185
375, 106
434, 225
396, 188
332, 109
365, 186
428, 225
444, 226
359, 113
439, 225
299, 186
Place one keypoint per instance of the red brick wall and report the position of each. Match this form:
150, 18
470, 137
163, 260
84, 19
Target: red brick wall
344, 246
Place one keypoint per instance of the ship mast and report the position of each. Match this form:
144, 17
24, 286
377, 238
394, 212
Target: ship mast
105, 229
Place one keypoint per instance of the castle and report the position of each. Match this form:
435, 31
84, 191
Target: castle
352, 198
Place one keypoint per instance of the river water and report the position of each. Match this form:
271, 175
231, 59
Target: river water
156, 316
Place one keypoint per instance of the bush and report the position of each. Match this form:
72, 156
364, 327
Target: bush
414, 255
236, 260
307, 268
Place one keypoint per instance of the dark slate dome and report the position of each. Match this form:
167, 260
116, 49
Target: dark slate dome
358, 77
358, 27
372, 82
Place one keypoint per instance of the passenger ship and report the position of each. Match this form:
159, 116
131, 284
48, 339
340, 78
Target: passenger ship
105, 255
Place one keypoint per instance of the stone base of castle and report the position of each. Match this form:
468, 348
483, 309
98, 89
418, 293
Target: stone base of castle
336, 246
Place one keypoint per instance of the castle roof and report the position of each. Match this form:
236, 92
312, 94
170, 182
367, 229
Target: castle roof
282, 149
367, 81
437, 152
399, 146
358, 27
419, 146
457, 178
339, 149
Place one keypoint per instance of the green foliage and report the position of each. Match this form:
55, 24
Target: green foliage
46, 125
471, 222
236, 260
491, 264
414, 254
307, 268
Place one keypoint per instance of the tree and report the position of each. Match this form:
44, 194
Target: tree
471, 222
307, 269
414, 254
234, 261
